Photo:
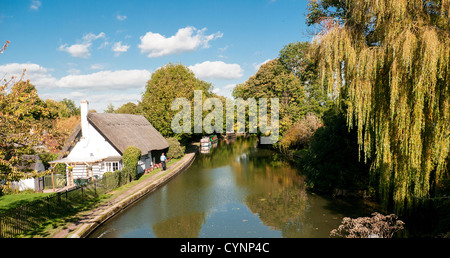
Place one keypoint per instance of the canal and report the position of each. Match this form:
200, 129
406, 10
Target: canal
236, 190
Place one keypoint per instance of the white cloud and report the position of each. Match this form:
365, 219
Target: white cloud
77, 50
229, 86
97, 66
121, 17
223, 49
256, 66
217, 70
82, 50
96, 87
73, 71
37, 74
103, 80
16, 68
35, 5
91, 36
185, 40
118, 48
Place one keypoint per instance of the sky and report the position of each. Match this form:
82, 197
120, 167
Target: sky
105, 51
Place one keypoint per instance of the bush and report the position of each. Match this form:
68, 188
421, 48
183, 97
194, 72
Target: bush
112, 180
126, 175
108, 180
300, 134
175, 149
332, 160
130, 158
377, 226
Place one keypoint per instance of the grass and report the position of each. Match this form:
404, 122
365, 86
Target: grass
11, 201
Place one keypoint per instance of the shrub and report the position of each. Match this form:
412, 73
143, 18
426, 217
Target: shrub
300, 134
175, 149
130, 158
332, 160
108, 180
126, 175
378, 225
112, 180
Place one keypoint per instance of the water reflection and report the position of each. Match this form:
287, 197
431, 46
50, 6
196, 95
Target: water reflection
235, 190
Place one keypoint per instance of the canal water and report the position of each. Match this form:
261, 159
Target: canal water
236, 190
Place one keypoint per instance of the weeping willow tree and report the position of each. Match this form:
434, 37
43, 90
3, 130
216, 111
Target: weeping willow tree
390, 63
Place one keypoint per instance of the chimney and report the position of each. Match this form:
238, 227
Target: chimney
84, 121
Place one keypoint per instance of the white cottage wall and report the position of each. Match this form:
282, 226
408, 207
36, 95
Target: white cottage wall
94, 146
91, 146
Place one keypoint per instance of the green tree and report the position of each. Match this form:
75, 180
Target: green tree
128, 108
109, 108
176, 150
166, 84
297, 57
62, 109
390, 61
72, 108
273, 80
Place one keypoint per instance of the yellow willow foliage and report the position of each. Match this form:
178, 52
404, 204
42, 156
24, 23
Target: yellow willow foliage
396, 82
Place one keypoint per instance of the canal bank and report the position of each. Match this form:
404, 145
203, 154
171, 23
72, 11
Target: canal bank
89, 222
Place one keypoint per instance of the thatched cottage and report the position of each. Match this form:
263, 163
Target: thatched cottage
97, 144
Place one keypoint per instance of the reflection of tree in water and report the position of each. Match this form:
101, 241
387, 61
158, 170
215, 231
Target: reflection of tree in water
282, 210
225, 154
278, 193
186, 226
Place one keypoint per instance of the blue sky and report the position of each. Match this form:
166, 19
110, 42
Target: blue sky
105, 51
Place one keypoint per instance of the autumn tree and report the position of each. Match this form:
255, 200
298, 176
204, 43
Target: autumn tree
390, 62
21, 116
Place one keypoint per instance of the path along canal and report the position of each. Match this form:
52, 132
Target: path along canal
236, 190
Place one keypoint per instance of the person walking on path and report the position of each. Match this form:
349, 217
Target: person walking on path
163, 161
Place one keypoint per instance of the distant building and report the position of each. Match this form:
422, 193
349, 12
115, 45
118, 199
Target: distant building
97, 144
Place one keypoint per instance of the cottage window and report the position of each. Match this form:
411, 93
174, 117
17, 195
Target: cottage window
112, 166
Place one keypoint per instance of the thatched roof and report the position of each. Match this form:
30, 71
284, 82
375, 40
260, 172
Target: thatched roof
123, 130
